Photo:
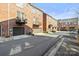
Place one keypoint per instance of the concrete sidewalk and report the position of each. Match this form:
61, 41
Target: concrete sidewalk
20, 37
46, 34
3, 39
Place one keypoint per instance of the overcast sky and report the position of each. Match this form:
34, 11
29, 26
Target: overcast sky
59, 10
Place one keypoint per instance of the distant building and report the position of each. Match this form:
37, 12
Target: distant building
68, 24
78, 23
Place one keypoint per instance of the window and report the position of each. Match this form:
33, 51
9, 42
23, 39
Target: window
33, 10
52, 27
21, 5
75, 23
49, 26
36, 21
55, 27
20, 15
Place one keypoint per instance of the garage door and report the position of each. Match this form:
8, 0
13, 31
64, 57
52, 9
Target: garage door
18, 31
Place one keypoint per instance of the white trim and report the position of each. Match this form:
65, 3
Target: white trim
20, 5
8, 19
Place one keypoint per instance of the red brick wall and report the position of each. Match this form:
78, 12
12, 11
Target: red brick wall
4, 28
3, 12
44, 22
13, 24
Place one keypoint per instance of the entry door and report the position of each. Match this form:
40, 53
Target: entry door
18, 31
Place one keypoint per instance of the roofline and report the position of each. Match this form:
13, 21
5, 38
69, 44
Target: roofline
36, 7
69, 18
41, 10
52, 17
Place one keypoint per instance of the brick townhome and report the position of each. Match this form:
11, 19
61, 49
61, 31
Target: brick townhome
51, 24
18, 19
68, 24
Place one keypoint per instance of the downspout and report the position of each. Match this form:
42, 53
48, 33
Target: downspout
8, 18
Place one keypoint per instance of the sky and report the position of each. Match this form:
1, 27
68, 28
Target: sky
59, 10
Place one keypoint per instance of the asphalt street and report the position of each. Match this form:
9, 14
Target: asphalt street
40, 45
31, 46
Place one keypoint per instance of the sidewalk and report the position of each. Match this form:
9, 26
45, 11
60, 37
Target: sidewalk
20, 37
3, 39
46, 34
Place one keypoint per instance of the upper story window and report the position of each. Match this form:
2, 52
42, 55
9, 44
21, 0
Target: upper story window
20, 15
23, 16
67, 23
36, 21
75, 23
21, 5
33, 10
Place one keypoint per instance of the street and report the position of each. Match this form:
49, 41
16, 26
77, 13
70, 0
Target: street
38, 45
35, 45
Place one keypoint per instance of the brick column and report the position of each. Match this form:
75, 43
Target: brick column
44, 22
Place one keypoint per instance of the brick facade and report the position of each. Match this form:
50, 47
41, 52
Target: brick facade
37, 20
68, 24
51, 24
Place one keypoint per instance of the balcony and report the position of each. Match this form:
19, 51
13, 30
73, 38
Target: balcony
36, 23
21, 21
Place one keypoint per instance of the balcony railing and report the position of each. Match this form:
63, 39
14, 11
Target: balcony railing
21, 21
36, 23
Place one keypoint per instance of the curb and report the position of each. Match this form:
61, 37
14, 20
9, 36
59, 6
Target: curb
52, 51
44, 34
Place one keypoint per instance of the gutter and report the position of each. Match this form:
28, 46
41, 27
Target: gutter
53, 50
